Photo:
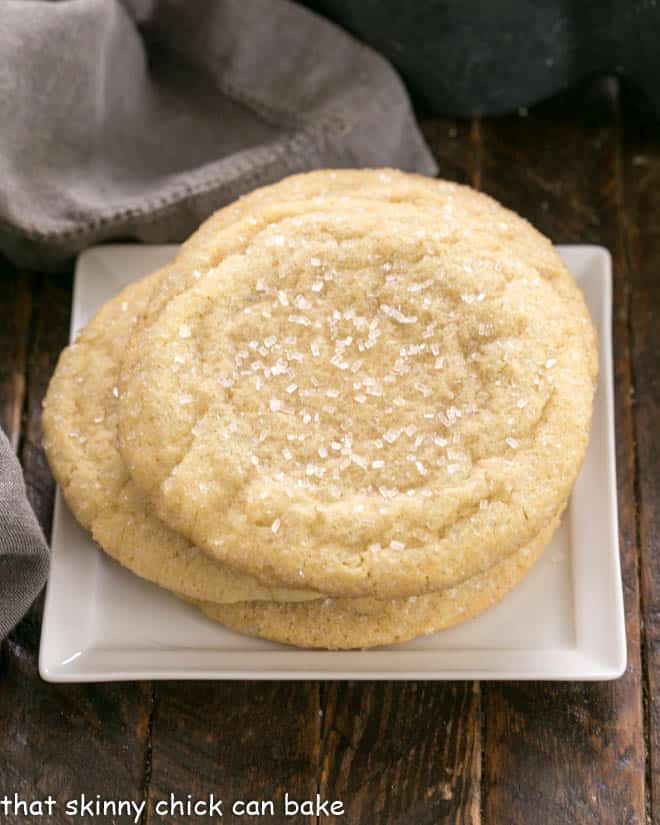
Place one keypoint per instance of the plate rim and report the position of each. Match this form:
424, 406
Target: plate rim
578, 664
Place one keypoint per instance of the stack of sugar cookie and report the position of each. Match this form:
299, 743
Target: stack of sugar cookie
349, 412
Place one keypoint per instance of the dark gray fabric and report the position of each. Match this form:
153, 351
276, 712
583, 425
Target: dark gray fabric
470, 57
23, 551
137, 119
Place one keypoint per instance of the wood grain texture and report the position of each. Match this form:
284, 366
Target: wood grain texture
239, 740
15, 311
571, 752
455, 147
642, 236
400, 752
64, 740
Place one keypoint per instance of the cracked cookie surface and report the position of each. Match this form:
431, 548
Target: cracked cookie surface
382, 393
80, 438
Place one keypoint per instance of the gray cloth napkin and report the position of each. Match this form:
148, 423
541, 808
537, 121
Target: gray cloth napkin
23, 551
137, 119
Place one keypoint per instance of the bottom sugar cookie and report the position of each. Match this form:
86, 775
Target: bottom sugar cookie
342, 624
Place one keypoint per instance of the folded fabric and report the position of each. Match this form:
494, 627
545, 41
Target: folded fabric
23, 550
136, 119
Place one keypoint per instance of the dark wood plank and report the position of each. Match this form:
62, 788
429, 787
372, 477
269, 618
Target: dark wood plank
408, 752
238, 740
642, 234
15, 311
401, 752
67, 740
455, 145
571, 752
64, 740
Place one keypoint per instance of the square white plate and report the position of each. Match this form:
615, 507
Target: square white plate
565, 621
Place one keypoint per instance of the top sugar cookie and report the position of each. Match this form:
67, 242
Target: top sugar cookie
80, 435
381, 387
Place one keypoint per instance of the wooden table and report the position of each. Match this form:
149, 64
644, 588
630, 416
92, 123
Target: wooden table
410, 752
